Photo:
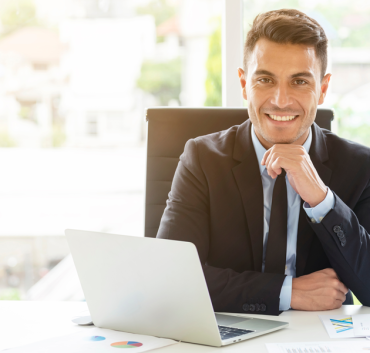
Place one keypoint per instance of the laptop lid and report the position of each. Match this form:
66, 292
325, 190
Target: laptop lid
147, 286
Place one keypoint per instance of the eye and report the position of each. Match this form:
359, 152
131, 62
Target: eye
300, 82
264, 80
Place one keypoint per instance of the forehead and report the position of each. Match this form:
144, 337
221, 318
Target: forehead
283, 58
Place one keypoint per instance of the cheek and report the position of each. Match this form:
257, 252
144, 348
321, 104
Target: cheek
307, 100
253, 98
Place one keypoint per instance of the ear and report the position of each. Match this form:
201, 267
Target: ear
324, 88
243, 82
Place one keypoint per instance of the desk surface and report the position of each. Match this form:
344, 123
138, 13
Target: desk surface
26, 322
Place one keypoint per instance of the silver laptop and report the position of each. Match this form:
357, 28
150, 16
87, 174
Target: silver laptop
154, 287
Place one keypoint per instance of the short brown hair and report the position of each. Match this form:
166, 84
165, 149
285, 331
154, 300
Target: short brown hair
288, 26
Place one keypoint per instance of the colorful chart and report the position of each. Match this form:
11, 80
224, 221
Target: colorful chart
95, 338
126, 344
342, 324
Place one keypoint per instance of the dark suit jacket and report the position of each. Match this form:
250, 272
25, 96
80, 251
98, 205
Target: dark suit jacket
216, 202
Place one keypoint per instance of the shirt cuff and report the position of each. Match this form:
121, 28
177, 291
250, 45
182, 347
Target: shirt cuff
286, 294
317, 213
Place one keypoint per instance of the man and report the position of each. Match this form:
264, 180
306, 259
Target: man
277, 207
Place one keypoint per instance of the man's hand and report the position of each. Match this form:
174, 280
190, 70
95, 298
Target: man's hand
319, 290
301, 173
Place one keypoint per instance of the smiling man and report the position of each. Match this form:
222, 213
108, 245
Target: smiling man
277, 207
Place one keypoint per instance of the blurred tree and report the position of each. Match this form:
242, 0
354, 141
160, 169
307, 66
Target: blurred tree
6, 140
161, 10
15, 14
161, 79
214, 69
58, 137
10, 294
349, 18
358, 133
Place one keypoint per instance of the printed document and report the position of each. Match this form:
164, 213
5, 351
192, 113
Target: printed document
341, 326
361, 325
338, 326
351, 346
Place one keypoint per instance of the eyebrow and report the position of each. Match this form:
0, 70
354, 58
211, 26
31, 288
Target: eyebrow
302, 74
263, 72
298, 74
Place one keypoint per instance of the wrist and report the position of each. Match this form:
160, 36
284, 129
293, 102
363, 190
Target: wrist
320, 197
295, 302
299, 294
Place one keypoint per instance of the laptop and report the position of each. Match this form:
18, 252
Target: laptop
154, 287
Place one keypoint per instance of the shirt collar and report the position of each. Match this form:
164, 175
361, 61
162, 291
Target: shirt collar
260, 150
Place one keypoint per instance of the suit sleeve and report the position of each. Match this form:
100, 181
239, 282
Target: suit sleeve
344, 235
186, 218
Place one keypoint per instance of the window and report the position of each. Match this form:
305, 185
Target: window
75, 79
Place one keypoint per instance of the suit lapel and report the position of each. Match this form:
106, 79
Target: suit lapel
248, 179
319, 155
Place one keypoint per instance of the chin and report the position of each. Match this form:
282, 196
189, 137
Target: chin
279, 138
281, 141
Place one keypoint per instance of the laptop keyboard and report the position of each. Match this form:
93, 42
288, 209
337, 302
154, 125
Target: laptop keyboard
231, 332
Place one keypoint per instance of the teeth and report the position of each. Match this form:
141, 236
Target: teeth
282, 118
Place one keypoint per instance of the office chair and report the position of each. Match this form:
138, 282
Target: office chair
168, 131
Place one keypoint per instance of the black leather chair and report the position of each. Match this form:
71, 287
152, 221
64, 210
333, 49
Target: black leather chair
168, 131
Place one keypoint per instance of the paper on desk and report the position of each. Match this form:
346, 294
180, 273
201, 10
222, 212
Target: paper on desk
95, 340
308, 347
361, 325
338, 326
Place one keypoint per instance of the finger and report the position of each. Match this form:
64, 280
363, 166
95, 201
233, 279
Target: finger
269, 154
334, 294
281, 162
265, 156
294, 150
269, 164
300, 160
289, 148
270, 170
294, 164
302, 164
340, 296
271, 157
333, 280
330, 302
341, 287
330, 272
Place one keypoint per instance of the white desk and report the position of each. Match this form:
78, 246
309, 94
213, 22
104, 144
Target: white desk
26, 322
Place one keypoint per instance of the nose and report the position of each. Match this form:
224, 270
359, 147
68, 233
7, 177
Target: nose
281, 96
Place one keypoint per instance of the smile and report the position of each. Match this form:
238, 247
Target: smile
281, 118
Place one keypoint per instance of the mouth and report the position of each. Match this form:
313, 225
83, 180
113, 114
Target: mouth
281, 118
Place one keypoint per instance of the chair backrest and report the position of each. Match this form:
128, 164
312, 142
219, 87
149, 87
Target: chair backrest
168, 131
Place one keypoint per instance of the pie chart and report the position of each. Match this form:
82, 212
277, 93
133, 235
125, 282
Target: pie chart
96, 338
126, 344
